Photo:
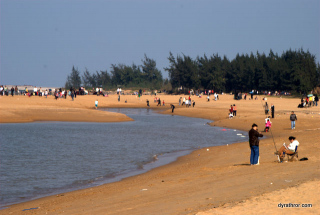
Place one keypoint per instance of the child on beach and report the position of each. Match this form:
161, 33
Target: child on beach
96, 104
268, 125
230, 115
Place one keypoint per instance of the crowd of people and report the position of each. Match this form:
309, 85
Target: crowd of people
308, 101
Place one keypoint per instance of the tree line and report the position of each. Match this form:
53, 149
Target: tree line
143, 76
294, 70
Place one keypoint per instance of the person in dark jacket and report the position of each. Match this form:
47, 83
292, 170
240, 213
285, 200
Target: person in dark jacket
254, 144
293, 119
272, 111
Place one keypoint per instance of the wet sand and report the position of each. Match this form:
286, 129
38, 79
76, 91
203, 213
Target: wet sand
218, 181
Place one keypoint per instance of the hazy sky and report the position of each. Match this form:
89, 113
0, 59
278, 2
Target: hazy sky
40, 40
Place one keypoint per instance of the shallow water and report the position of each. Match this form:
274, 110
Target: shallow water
39, 159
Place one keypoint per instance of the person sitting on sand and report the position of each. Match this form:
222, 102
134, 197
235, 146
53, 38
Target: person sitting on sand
230, 115
287, 149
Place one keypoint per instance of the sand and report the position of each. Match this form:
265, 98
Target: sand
215, 181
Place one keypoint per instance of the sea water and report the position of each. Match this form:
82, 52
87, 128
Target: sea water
46, 158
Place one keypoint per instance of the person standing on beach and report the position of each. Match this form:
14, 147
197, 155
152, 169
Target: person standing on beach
266, 108
316, 99
293, 119
172, 107
272, 111
72, 94
12, 91
231, 109
234, 110
254, 144
96, 104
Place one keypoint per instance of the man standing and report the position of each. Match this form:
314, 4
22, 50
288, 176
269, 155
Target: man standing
254, 144
293, 119
272, 111
316, 99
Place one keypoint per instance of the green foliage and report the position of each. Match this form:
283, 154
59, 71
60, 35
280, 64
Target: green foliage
73, 80
292, 71
145, 76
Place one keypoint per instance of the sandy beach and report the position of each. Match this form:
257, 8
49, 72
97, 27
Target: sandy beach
215, 181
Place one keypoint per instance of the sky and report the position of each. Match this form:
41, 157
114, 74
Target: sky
41, 40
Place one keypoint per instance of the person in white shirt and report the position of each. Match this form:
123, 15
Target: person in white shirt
35, 91
288, 149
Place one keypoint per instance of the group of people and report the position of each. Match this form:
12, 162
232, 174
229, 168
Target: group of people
215, 95
186, 102
266, 109
232, 111
309, 101
254, 136
5, 91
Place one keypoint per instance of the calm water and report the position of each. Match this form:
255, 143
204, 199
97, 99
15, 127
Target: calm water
39, 159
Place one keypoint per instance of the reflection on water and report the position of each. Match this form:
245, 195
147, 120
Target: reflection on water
45, 158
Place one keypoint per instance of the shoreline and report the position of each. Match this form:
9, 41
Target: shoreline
200, 169
162, 160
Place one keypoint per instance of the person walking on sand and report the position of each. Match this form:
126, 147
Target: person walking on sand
293, 119
272, 111
96, 104
254, 144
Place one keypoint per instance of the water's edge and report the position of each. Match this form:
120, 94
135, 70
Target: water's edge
160, 160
